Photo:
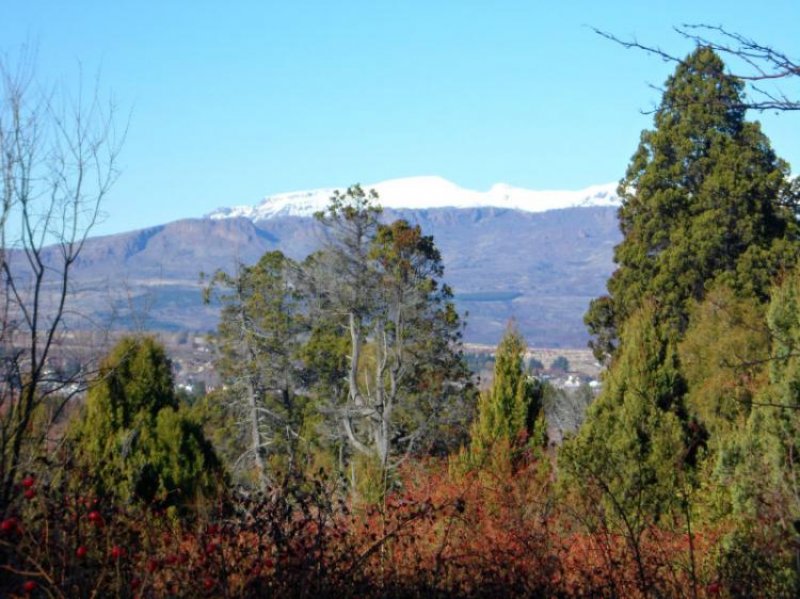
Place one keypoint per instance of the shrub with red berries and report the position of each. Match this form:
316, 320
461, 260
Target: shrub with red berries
29, 586
466, 536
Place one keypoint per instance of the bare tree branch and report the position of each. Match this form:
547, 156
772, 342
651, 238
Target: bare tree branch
758, 62
58, 161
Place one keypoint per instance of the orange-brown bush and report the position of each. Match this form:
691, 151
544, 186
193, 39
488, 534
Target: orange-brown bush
470, 535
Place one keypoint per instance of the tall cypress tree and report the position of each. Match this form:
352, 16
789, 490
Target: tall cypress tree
631, 446
511, 410
704, 198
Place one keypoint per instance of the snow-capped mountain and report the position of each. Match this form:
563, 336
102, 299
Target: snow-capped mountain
538, 257
419, 193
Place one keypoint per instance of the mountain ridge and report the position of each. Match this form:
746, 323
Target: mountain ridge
421, 193
540, 268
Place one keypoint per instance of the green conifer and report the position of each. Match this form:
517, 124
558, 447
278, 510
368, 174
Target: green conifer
706, 205
631, 448
704, 199
510, 412
133, 438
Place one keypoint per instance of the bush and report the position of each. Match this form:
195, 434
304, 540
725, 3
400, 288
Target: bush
135, 438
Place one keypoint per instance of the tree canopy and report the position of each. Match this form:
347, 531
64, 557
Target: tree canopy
698, 410
356, 351
509, 414
258, 345
134, 441
704, 199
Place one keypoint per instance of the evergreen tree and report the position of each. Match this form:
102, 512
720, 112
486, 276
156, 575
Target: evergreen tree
421, 332
631, 448
752, 472
704, 199
723, 359
134, 439
707, 214
777, 409
630, 467
352, 357
379, 286
510, 412
258, 344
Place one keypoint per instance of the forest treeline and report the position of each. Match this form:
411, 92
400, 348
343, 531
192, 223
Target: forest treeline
349, 452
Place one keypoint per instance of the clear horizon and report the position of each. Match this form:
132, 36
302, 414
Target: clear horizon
229, 105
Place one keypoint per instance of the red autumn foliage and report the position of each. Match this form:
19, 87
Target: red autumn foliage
472, 535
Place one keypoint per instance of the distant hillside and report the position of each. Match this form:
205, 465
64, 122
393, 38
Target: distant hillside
541, 268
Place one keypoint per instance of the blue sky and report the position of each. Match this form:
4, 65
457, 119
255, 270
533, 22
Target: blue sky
231, 101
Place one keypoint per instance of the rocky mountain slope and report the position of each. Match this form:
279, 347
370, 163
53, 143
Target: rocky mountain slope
537, 257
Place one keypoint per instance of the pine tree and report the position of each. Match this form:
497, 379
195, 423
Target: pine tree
379, 286
257, 342
704, 199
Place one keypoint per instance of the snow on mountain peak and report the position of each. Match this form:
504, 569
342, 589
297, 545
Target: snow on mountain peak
428, 192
